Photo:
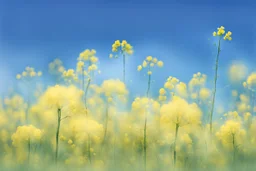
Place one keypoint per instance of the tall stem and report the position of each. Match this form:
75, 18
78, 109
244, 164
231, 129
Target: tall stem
145, 128
89, 148
86, 90
215, 84
106, 127
234, 147
29, 144
149, 80
57, 136
145, 144
124, 67
82, 79
175, 140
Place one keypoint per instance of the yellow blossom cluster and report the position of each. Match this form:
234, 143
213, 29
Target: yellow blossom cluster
29, 72
70, 76
149, 63
221, 32
114, 88
173, 85
198, 80
231, 134
56, 67
88, 55
87, 62
25, 134
173, 113
250, 82
60, 96
237, 72
123, 46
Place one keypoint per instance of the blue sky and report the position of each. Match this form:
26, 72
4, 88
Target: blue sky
178, 32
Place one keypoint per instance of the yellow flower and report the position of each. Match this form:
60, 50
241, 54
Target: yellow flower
32, 74
221, 31
149, 58
39, 74
149, 72
139, 68
24, 74
70, 142
18, 76
114, 49
94, 59
214, 33
110, 55
144, 64
117, 43
94, 67
160, 64
155, 60
244, 84
62, 138
124, 42
162, 91
110, 99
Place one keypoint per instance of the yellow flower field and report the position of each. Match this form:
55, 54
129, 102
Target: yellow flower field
78, 124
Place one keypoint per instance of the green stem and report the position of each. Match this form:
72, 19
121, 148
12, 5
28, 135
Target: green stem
149, 80
29, 144
83, 78
106, 127
89, 148
145, 144
145, 128
85, 94
215, 85
175, 141
234, 148
57, 136
124, 67
86, 90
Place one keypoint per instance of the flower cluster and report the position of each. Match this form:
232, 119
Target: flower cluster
70, 76
25, 134
250, 82
149, 63
221, 32
170, 84
56, 67
197, 81
123, 47
87, 59
29, 72
88, 55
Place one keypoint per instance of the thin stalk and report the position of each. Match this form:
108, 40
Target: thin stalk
253, 102
215, 84
28, 103
114, 152
89, 148
145, 128
106, 127
123, 67
175, 141
82, 78
234, 148
86, 90
149, 80
57, 136
29, 145
145, 144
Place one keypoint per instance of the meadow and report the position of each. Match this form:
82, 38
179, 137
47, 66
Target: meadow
77, 124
